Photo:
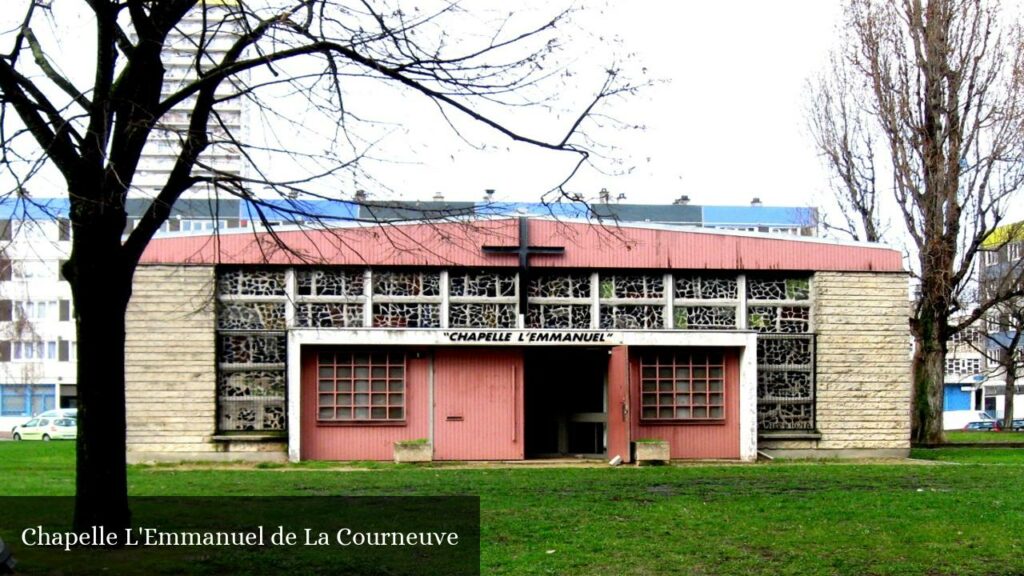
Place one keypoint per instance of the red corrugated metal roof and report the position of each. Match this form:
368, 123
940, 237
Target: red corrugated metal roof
586, 246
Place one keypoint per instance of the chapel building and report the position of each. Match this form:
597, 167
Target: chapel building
516, 338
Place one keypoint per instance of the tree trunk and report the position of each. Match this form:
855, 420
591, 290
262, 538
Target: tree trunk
929, 376
1010, 370
101, 286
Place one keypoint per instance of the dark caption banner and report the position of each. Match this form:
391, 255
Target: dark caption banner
249, 535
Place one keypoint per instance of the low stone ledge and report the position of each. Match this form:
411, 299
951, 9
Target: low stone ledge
249, 438
769, 436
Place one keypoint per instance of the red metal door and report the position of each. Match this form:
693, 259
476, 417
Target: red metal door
478, 404
618, 403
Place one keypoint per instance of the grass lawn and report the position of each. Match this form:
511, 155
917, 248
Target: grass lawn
985, 436
954, 515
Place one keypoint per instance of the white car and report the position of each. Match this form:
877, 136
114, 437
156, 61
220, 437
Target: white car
60, 413
957, 419
47, 429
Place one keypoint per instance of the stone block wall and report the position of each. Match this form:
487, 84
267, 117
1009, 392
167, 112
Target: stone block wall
863, 367
170, 370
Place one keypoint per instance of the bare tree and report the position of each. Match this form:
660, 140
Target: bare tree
1004, 351
1000, 273
322, 52
844, 133
944, 90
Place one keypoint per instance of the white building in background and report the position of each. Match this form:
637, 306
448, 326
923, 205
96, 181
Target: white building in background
1001, 267
966, 373
37, 329
37, 332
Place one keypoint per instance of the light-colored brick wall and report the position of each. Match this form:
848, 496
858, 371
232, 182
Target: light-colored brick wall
863, 364
170, 370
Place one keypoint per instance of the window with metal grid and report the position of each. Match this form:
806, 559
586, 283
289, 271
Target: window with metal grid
682, 386
361, 387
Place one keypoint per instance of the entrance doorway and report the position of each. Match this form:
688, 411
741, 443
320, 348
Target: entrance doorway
566, 402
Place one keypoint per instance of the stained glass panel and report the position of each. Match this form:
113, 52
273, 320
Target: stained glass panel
482, 284
706, 288
704, 317
482, 315
632, 317
403, 315
567, 286
398, 283
561, 316
329, 282
329, 315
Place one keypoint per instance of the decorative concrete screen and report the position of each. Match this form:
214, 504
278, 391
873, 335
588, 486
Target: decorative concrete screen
330, 298
780, 309
705, 303
251, 349
562, 302
632, 302
407, 299
482, 299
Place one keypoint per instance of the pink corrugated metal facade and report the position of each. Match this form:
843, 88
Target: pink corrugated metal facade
362, 442
718, 440
478, 404
586, 246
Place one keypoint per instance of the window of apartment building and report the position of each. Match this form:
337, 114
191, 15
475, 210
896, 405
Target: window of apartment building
966, 336
33, 350
197, 225
963, 366
63, 229
26, 399
361, 387
31, 231
1013, 251
36, 310
682, 386
34, 270
991, 257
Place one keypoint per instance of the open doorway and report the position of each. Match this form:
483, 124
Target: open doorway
566, 406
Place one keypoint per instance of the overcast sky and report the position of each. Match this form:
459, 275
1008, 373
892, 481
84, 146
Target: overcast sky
726, 124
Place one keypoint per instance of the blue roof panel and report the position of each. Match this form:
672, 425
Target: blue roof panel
556, 209
16, 208
300, 210
758, 215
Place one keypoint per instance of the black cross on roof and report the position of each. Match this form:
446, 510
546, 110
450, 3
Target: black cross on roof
524, 251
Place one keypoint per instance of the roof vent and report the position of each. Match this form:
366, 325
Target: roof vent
604, 195
620, 197
682, 201
489, 194
438, 197
360, 196
755, 202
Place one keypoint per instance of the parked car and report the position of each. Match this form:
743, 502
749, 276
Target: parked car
58, 413
1018, 425
983, 425
957, 419
47, 429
